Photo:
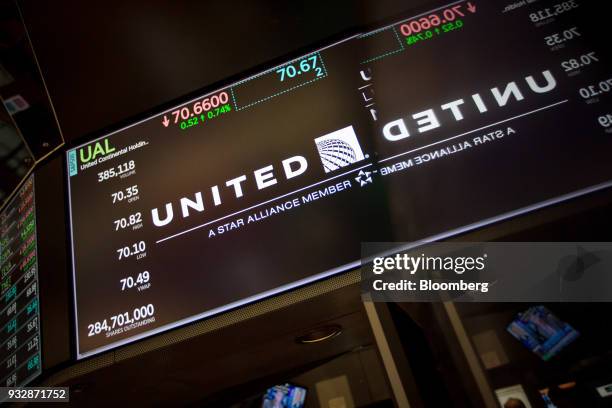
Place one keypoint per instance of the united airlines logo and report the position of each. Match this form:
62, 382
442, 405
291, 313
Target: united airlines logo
339, 149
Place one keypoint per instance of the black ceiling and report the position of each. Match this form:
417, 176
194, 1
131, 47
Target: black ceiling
105, 62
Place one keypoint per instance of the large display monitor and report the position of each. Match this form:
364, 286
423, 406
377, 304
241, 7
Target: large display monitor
433, 125
284, 396
542, 332
20, 347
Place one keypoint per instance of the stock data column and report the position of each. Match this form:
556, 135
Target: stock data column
122, 277
20, 353
574, 33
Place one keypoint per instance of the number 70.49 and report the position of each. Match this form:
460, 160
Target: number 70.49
130, 281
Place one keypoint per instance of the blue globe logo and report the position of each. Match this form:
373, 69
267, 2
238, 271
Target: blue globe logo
335, 153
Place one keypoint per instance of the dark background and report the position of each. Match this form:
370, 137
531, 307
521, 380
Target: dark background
109, 62
106, 62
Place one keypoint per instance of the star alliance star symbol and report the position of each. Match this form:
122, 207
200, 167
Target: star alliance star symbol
364, 177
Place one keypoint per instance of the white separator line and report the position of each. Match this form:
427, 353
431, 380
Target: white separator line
262, 203
475, 130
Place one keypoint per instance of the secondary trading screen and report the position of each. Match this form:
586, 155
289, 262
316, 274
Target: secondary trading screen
424, 128
20, 355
